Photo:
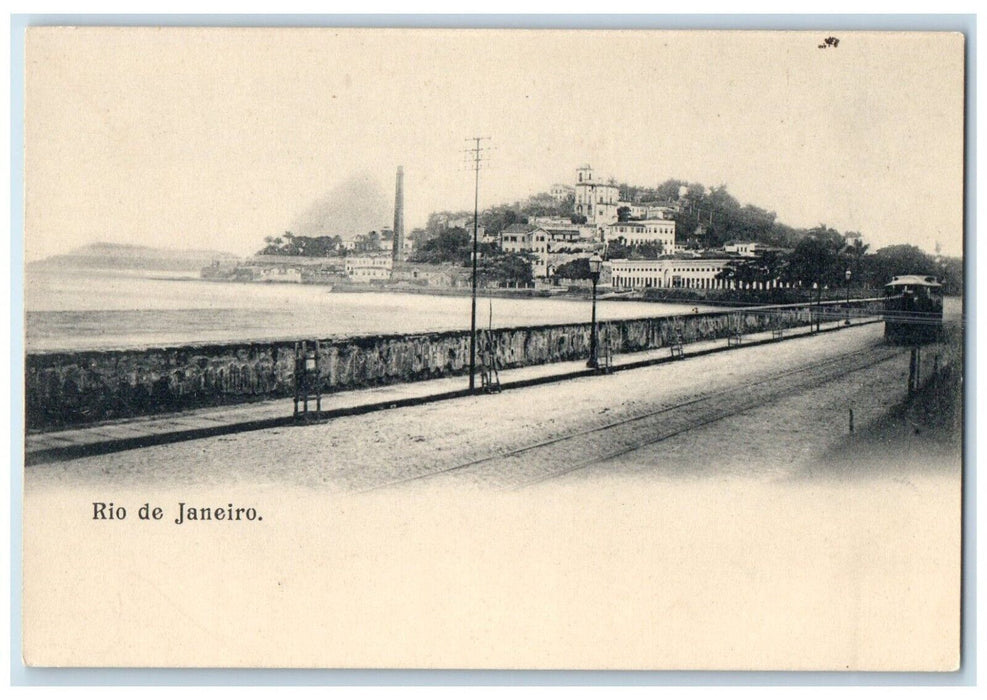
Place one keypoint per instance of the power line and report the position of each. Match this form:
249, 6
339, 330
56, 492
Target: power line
477, 150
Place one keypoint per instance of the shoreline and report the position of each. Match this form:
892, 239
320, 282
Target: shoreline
662, 295
496, 292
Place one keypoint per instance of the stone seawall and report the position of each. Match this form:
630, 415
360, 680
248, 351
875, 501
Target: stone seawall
74, 388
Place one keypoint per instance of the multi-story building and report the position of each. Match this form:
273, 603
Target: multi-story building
550, 246
526, 238
595, 199
658, 211
561, 192
648, 231
647, 211
367, 268
554, 223
564, 236
518, 238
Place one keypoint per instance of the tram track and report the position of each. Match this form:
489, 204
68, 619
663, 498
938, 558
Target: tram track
536, 462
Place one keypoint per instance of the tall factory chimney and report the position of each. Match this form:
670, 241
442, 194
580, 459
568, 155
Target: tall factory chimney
398, 252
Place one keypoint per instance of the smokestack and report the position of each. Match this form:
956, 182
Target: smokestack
398, 252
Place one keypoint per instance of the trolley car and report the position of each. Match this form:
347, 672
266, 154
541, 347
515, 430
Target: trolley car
912, 310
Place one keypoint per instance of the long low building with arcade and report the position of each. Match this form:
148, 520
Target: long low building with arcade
674, 273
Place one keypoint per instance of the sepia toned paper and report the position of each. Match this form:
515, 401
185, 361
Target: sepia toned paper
707, 558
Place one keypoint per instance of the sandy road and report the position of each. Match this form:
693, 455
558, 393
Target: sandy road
731, 411
625, 438
713, 508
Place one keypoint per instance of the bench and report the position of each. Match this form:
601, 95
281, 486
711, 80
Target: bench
676, 346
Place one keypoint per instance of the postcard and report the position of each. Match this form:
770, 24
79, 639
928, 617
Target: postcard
493, 349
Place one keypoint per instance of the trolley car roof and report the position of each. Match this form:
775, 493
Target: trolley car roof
913, 280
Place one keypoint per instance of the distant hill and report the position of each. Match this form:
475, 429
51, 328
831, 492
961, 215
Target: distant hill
131, 257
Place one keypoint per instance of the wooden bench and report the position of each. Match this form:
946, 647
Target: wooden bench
676, 346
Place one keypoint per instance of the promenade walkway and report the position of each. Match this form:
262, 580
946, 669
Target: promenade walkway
144, 431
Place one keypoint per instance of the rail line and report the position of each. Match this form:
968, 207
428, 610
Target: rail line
516, 465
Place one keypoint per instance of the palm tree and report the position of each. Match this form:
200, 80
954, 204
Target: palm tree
855, 251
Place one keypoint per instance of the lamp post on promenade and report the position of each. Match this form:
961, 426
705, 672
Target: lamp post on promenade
848, 275
818, 286
594, 270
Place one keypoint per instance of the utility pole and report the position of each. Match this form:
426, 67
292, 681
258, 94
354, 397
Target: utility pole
476, 150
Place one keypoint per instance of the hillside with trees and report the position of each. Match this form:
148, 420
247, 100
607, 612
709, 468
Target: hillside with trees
709, 217
307, 246
705, 218
494, 266
822, 257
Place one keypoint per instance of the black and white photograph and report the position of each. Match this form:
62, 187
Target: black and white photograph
430, 348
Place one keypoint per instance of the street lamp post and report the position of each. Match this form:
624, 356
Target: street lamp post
818, 286
848, 275
594, 270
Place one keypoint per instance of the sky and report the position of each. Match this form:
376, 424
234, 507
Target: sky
215, 138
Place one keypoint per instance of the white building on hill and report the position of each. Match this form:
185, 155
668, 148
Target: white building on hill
550, 246
525, 238
744, 249
595, 199
560, 192
647, 231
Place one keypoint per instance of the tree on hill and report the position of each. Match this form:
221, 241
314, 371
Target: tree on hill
305, 246
577, 269
620, 249
451, 245
709, 218
816, 259
496, 219
951, 275
438, 221
668, 191
898, 260
784, 236
504, 269
544, 204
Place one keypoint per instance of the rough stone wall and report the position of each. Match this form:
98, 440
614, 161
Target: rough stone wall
63, 389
